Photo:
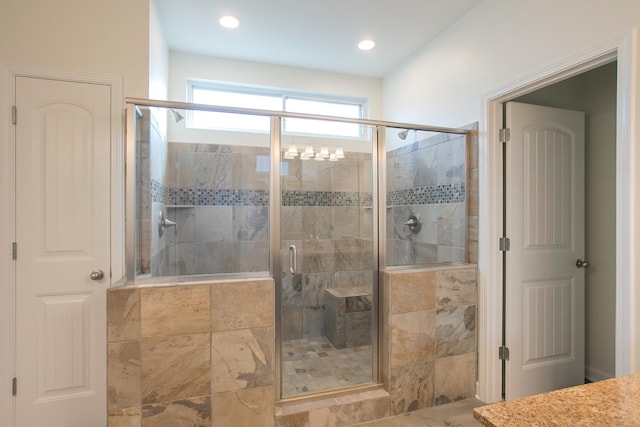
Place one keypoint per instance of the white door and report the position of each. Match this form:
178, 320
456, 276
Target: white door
62, 234
545, 222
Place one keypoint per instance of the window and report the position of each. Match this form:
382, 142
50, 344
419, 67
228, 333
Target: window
273, 100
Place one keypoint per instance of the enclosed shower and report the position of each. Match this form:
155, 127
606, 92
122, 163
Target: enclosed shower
321, 214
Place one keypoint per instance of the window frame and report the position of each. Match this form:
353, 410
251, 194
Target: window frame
283, 95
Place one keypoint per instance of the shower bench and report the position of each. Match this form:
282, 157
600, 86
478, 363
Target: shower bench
348, 316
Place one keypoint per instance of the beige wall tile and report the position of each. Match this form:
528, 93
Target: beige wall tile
413, 337
123, 314
411, 387
456, 287
175, 310
350, 413
473, 193
385, 358
250, 407
455, 378
130, 417
179, 413
242, 359
241, 305
175, 367
293, 420
385, 295
123, 374
456, 330
413, 291
472, 239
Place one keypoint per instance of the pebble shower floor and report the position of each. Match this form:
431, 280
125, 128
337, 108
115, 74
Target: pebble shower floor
313, 364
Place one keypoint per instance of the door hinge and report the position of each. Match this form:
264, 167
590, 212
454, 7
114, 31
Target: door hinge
503, 353
505, 244
14, 386
14, 115
505, 135
14, 251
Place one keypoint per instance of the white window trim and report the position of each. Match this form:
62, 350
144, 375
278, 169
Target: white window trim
284, 94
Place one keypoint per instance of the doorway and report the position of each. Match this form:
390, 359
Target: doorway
490, 261
594, 92
57, 185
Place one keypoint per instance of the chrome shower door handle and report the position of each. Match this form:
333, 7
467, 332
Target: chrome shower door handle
293, 259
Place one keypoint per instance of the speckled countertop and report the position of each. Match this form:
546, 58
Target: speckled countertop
614, 402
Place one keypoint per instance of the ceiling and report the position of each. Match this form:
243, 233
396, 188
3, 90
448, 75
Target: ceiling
318, 34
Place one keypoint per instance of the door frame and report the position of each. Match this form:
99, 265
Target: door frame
8, 74
626, 50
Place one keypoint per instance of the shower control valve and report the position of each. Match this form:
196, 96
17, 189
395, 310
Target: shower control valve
164, 222
414, 223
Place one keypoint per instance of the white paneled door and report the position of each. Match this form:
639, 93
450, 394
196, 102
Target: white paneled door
545, 222
63, 265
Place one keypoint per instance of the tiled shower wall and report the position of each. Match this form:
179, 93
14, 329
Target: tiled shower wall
218, 196
429, 178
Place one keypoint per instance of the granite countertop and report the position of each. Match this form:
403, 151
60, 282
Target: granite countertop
614, 402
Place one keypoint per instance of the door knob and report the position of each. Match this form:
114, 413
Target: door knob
96, 275
582, 264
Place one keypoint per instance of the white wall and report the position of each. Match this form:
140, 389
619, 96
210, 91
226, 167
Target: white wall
497, 42
93, 36
185, 65
158, 57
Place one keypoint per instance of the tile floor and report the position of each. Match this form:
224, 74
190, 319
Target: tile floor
456, 414
313, 364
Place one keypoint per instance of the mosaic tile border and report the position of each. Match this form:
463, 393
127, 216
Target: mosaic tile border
209, 197
160, 193
429, 195
326, 198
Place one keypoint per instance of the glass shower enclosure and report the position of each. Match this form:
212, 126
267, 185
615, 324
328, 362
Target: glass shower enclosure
306, 209
329, 260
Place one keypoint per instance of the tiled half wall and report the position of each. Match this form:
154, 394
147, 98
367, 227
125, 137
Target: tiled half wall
429, 337
191, 355
205, 352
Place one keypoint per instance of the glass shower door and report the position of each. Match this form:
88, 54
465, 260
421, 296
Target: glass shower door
329, 264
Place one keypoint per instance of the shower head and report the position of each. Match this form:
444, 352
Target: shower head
177, 117
403, 134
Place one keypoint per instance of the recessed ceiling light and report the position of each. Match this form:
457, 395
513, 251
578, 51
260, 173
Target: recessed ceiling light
366, 44
229, 21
